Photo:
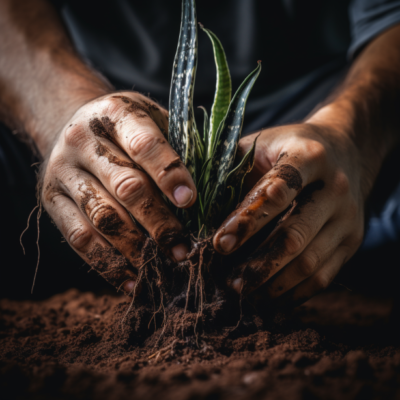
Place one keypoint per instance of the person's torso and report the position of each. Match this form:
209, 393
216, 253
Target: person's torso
134, 42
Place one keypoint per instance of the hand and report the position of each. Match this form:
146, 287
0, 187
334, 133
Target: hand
314, 173
111, 159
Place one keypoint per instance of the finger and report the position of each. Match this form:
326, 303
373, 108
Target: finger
297, 229
317, 253
135, 191
105, 215
320, 281
271, 196
89, 244
141, 138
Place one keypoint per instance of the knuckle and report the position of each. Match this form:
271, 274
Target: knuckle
308, 263
277, 194
295, 239
79, 238
75, 135
56, 163
340, 184
142, 144
108, 106
103, 217
128, 188
316, 151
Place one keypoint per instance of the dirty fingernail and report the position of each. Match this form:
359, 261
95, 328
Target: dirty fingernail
179, 252
183, 195
227, 242
237, 285
129, 286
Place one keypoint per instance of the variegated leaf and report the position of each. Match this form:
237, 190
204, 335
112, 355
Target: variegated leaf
228, 136
236, 177
223, 90
182, 130
206, 126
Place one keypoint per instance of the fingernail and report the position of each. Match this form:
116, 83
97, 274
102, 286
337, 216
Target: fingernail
129, 286
237, 285
179, 252
183, 195
227, 242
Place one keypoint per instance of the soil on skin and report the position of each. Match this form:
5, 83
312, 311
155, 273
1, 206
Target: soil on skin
336, 346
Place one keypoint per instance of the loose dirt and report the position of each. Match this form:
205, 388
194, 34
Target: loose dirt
73, 345
103, 128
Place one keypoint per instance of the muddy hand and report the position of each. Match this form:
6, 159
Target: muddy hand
310, 172
111, 159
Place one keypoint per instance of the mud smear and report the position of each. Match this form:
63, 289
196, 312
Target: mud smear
110, 264
282, 156
110, 222
104, 151
146, 109
290, 175
176, 163
262, 263
89, 193
306, 196
147, 205
167, 238
103, 128
138, 109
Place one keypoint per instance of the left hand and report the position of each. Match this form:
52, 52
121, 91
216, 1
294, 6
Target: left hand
318, 172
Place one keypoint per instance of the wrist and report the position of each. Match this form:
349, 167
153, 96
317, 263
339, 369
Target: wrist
361, 147
47, 109
46, 131
372, 139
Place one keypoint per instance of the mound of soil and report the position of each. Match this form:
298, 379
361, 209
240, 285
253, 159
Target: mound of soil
73, 345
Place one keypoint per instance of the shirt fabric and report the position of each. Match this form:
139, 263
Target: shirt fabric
300, 42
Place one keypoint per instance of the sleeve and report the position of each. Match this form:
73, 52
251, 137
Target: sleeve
369, 18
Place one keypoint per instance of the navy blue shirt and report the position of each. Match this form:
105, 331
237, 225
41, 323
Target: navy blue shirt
133, 42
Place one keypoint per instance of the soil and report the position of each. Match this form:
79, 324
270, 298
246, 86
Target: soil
104, 151
103, 128
110, 264
78, 345
290, 175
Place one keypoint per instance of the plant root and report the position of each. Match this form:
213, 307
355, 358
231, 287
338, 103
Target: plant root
163, 351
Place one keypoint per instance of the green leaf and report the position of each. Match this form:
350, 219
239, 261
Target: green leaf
199, 148
226, 143
231, 202
182, 129
236, 177
206, 126
223, 90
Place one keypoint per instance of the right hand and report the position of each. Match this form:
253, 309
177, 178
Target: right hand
113, 158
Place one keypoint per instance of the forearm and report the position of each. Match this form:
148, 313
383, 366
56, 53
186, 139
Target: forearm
42, 79
366, 107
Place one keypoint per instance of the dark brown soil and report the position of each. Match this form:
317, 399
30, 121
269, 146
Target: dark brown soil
290, 175
103, 128
73, 345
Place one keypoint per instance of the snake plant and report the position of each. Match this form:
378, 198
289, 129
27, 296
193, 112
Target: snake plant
209, 155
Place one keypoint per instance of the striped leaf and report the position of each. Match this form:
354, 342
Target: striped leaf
206, 126
223, 90
236, 177
182, 128
227, 138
